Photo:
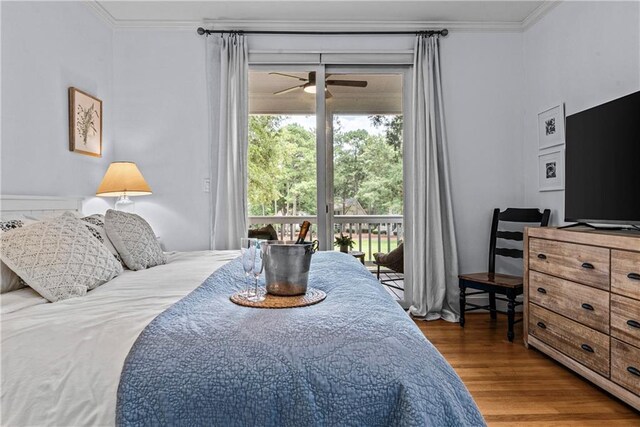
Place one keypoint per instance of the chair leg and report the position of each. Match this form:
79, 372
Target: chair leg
463, 303
378, 272
492, 305
511, 315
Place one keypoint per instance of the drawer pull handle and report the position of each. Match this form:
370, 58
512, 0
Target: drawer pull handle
633, 324
542, 290
542, 256
587, 265
586, 347
633, 371
542, 325
587, 306
633, 276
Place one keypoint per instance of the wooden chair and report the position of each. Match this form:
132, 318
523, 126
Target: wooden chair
395, 265
495, 283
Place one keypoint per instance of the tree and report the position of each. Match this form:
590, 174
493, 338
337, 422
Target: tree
393, 129
282, 167
349, 171
381, 189
265, 152
298, 178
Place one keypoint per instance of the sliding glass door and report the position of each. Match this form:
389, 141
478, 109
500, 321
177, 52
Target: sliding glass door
365, 135
326, 145
283, 182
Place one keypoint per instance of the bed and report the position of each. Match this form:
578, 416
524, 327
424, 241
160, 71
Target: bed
165, 346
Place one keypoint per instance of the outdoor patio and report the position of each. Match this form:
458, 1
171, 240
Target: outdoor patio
392, 278
371, 233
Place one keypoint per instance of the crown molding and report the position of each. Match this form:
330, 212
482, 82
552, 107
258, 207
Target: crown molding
262, 25
275, 25
538, 13
157, 24
101, 13
114, 23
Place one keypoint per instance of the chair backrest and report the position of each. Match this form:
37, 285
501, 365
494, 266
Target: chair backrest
518, 215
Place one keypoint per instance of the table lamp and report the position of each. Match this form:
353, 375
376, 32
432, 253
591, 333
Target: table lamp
123, 179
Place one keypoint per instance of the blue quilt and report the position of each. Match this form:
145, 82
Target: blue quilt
355, 359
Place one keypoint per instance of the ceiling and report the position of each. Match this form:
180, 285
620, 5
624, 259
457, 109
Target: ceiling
304, 12
383, 94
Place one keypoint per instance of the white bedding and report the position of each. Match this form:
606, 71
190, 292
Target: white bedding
61, 362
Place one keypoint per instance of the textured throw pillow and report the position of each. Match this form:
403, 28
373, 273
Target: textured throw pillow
266, 233
59, 258
95, 224
394, 260
134, 239
9, 281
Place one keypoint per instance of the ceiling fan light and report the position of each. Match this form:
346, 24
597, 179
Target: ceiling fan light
310, 89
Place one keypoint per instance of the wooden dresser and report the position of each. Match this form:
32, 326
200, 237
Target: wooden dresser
582, 304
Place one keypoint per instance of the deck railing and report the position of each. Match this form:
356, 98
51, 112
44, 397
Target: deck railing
372, 233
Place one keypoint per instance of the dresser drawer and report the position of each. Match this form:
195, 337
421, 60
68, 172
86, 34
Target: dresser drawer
625, 273
585, 345
625, 365
625, 319
579, 263
581, 303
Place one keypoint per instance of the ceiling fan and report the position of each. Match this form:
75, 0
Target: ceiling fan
309, 84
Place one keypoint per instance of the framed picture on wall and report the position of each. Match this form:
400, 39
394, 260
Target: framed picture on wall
551, 170
551, 127
85, 123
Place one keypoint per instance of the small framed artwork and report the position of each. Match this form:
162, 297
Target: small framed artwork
551, 127
551, 171
85, 123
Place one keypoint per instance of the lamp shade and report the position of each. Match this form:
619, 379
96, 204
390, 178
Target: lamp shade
123, 179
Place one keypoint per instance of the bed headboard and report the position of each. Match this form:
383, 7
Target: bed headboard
38, 206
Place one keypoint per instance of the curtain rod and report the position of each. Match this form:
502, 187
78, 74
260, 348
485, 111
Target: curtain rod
442, 32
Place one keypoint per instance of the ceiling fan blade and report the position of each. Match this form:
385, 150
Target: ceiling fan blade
288, 75
351, 83
327, 94
280, 92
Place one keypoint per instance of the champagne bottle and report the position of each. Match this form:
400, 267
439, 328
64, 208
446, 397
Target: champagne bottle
304, 229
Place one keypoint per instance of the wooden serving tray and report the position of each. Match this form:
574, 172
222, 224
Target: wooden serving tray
313, 296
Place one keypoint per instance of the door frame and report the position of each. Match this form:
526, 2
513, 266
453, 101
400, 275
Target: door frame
321, 173
324, 141
405, 72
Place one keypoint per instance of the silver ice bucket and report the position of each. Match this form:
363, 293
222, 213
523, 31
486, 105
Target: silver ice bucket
286, 267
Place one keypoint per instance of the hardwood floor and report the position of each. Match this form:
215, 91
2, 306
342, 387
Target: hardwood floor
514, 386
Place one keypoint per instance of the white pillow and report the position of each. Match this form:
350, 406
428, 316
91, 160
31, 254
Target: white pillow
95, 224
59, 258
9, 281
134, 239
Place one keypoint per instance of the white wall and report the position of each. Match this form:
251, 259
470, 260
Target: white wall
47, 47
482, 83
583, 54
161, 113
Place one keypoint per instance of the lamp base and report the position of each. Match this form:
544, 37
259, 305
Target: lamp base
125, 204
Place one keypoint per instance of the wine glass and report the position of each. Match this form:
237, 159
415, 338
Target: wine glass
248, 252
258, 266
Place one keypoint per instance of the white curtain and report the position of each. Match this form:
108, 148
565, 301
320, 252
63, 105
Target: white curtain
431, 264
227, 79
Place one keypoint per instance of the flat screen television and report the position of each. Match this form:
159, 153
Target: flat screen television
602, 171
